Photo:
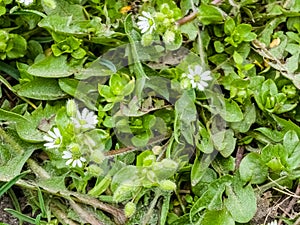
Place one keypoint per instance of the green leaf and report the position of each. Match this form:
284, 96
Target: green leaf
125, 176
187, 5
10, 183
159, 85
125, 184
11, 116
292, 147
273, 135
99, 188
144, 155
238, 59
98, 68
209, 14
221, 217
30, 130
53, 184
231, 111
229, 26
41, 89
224, 142
190, 29
10, 70
205, 143
24, 217
253, 169
17, 46
2, 10
165, 208
290, 141
241, 202
249, 119
287, 124
187, 114
84, 91
52, 67
65, 24
219, 46
13, 167
164, 169
274, 156
200, 168
224, 165
140, 139
212, 198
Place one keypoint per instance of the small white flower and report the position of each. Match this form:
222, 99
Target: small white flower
26, 2
72, 159
146, 22
53, 138
198, 77
85, 120
273, 223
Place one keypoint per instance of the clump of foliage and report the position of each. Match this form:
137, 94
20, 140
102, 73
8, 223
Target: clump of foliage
151, 112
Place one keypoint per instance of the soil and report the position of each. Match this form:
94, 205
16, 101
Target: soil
5, 217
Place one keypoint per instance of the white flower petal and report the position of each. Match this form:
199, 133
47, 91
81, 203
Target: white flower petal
198, 69
50, 145
57, 132
67, 155
200, 87
69, 162
82, 159
191, 71
197, 77
193, 84
206, 76
84, 113
47, 138
146, 22
204, 84
85, 120
52, 134
142, 19
77, 162
78, 114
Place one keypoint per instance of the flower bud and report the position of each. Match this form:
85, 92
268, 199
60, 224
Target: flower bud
94, 170
71, 108
148, 161
129, 209
157, 150
167, 185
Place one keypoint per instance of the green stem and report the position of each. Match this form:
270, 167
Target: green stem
201, 52
180, 202
271, 184
148, 216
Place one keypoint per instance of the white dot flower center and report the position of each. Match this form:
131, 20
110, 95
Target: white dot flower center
198, 78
